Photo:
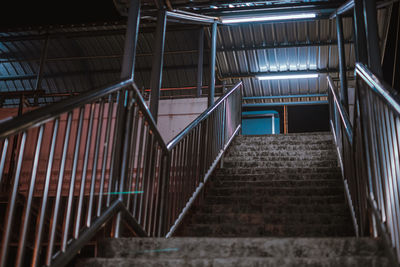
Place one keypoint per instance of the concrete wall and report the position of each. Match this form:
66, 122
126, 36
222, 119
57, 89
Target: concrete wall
175, 114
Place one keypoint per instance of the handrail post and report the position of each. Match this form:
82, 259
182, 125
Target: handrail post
359, 32
213, 52
123, 105
371, 27
200, 62
342, 63
156, 71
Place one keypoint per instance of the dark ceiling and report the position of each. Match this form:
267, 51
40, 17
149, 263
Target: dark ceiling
25, 13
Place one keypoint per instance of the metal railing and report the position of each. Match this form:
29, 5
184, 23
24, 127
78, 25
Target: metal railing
97, 161
196, 151
369, 157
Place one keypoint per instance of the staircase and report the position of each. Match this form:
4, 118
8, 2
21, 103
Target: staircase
277, 201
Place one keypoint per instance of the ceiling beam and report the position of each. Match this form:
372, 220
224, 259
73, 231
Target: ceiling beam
254, 74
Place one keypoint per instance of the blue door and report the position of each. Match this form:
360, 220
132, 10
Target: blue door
260, 122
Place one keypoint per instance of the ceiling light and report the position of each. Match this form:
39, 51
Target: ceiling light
287, 76
268, 18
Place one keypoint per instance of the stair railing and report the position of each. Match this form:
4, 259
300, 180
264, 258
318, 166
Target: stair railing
369, 157
196, 151
76, 171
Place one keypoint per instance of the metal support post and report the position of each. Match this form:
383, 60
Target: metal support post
359, 32
156, 70
127, 71
211, 86
371, 28
131, 36
200, 62
39, 76
342, 63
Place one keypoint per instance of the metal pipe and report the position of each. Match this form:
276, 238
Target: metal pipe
43, 114
202, 117
200, 62
211, 90
68, 210
39, 76
28, 205
344, 98
11, 205
283, 96
359, 32
156, 71
45, 197
381, 88
57, 204
188, 16
322, 102
346, 7
131, 36
371, 27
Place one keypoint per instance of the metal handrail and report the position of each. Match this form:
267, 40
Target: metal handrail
368, 151
46, 113
117, 150
390, 95
201, 117
343, 113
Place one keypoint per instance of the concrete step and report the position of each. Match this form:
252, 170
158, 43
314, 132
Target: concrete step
209, 247
223, 175
281, 200
276, 191
281, 153
280, 164
272, 230
222, 183
279, 170
283, 147
239, 261
305, 157
280, 218
266, 209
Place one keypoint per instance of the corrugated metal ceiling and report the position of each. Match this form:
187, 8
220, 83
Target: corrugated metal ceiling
81, 58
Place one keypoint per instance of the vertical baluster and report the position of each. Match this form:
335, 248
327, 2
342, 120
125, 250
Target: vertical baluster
68, 209
180, 177
157, 191
3, 158
394, 157
150, 184
390, 170
132, 156
105, 153
45, 195
138, 179
95, 162
174, 181
111, 180
146, 142
56, 206
380, 140
28, 205
79, 211
11, 204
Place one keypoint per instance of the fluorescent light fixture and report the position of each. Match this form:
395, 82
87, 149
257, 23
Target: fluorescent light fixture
268, 18
287, 76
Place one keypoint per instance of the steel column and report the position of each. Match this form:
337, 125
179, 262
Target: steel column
131, 36
342, 63
211, 86
371, 26
156, 71
200, 62
359, 32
